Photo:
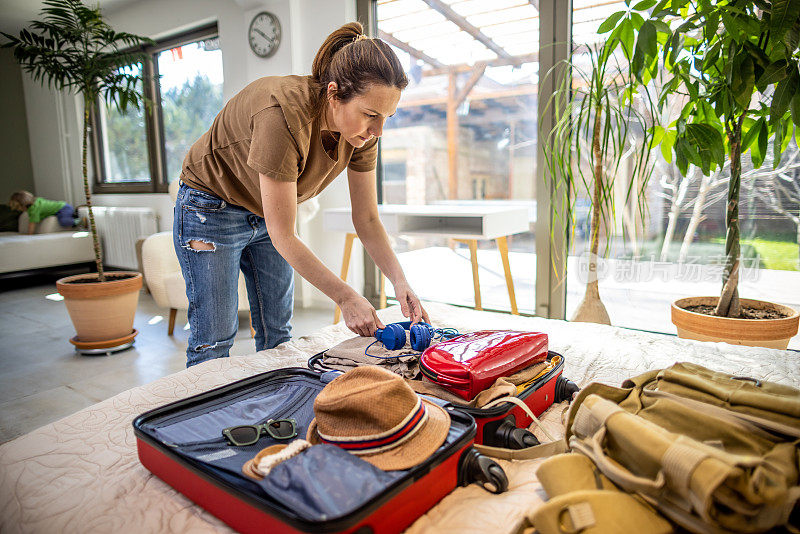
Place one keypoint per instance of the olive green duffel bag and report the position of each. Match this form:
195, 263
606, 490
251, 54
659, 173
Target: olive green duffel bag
710, 451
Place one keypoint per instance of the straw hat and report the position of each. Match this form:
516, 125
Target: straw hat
250, 467
374, 414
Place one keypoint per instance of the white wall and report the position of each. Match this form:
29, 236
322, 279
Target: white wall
55, 120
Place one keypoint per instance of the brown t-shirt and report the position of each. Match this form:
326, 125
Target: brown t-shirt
268, 128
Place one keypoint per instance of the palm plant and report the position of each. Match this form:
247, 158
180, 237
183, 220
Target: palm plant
72, 48
600, 142
737, 65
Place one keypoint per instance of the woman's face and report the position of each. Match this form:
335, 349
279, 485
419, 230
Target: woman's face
362, 118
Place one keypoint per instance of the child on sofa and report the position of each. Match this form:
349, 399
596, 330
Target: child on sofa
39, 208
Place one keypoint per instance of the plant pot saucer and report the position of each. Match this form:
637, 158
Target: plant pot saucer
92, 348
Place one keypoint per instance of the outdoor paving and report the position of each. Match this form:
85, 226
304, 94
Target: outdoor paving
636, 294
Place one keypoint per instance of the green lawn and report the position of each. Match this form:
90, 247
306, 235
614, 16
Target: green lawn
779, 255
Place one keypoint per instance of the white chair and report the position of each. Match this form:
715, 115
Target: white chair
163, 276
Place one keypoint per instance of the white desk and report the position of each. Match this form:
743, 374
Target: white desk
462, 223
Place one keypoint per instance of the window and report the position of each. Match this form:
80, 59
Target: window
676, 248
142, 152
464, 138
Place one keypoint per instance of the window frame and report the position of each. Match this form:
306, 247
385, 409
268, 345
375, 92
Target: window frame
555, 19
154, 121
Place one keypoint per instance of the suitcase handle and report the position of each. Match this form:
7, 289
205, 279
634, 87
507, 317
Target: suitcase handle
475, 467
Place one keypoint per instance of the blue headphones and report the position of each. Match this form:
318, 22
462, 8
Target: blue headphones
393, 336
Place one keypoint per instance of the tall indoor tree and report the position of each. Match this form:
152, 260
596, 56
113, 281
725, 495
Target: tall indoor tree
72, 48
600, 143
736, 63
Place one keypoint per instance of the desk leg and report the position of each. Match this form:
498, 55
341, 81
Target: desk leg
171, 327
502, 245
348, 248
473, 253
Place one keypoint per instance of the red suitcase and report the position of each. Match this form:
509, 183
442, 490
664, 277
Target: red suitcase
181, 443
504, 425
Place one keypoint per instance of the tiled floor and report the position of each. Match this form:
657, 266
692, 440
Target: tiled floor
42, 378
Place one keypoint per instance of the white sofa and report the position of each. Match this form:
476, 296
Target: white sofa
50, 246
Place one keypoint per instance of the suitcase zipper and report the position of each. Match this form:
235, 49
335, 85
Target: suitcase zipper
228, 400
189, 413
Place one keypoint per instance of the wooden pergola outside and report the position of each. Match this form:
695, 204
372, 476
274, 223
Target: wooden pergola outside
494, 33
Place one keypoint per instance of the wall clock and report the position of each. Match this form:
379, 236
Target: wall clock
264, 34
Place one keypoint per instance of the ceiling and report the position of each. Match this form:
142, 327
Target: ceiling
490, 46
442, 33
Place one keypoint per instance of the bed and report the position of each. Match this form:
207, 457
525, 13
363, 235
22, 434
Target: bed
82, 474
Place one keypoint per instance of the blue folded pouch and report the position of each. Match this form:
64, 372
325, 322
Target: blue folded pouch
326, 482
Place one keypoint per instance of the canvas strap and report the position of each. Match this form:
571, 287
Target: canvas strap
530, 453
589, 429
525, 408
589, 420
581, 516
679, 462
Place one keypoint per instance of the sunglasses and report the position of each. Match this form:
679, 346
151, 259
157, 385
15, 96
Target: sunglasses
243, 435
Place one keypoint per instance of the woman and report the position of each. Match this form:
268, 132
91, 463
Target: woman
279, 142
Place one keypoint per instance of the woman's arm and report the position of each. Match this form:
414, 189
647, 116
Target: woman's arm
279, 200
370, 230
31, 228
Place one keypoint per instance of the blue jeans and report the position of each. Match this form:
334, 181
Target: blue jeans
66, 216
239, 241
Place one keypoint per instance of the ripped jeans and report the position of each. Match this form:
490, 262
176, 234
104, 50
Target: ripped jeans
234, 239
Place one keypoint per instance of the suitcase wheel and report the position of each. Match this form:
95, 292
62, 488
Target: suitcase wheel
475, 467
508, 436
565, 389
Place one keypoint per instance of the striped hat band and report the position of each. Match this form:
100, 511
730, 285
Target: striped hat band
361, 445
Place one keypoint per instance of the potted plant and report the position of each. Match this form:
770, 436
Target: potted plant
600, 142
737, 65
72, 48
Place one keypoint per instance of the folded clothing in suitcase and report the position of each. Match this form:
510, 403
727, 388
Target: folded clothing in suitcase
323, 490
471, 363
504, 421
503, 424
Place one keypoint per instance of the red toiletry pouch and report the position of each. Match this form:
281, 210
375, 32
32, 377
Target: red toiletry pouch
470, 363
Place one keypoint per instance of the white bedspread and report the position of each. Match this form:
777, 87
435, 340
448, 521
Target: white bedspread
82, 474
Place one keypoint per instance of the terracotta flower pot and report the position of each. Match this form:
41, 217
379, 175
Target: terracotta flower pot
101, 311
770, 333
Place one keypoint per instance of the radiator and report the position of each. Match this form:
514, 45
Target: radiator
119, 229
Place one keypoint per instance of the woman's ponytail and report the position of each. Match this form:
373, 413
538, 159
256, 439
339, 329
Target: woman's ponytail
354, 61
335, 42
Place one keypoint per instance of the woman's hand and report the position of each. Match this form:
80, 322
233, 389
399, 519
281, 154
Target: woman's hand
360, 316
410, 304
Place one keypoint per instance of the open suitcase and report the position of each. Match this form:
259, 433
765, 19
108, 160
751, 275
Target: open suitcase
504, 425
181, 443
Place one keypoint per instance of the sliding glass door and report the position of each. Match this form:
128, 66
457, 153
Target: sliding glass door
464, 138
